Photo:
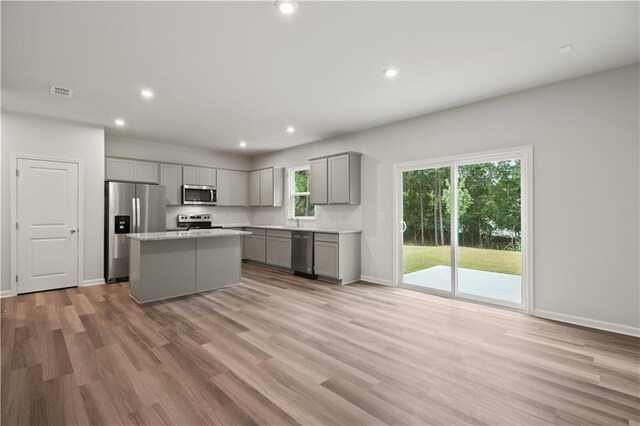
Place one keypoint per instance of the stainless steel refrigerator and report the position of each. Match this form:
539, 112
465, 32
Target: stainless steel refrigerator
129, 208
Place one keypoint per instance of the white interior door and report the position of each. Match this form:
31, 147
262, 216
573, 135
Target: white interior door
47, 233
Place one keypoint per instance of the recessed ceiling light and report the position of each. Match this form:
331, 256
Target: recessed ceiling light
119, 122
287, 7
146, 93
291, 129
243, 144
390, 72
566, 49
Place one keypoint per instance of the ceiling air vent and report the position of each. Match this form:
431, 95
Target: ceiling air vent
61, 91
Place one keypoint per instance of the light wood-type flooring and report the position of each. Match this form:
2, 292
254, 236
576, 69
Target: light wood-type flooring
283, 350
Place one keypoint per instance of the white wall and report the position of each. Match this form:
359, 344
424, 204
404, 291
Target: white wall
586, 186
155, 151
24, 134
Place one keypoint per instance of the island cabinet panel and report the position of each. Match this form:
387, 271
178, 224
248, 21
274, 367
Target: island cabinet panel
213, 257
150, 277
165, 265
171, 177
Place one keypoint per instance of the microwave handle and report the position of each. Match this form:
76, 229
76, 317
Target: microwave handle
212, 195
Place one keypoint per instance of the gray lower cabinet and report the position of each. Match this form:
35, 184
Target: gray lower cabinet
337, 257
326, 259
279, 248
255, 248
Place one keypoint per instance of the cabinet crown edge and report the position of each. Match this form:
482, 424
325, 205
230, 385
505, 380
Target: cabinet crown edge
336, 155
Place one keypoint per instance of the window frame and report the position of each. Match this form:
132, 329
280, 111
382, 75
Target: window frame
291, 172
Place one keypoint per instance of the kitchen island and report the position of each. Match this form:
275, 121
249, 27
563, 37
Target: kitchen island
170, 264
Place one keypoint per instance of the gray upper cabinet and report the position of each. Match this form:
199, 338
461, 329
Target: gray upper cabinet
335, 179
207, 176
266, 187
192, 175
126, 170
119, 169
338, 173
318, 181
171, 177
145, 171
254, 188
232, 188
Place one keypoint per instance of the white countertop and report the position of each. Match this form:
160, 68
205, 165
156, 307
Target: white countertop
291, 228
182, 235
304, 228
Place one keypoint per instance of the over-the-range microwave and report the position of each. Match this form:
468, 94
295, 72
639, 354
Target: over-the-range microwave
199, 195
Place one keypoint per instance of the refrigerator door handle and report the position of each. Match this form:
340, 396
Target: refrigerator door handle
138, 214
134, 225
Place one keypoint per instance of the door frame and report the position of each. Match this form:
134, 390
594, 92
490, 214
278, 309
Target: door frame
13, 190
525, 154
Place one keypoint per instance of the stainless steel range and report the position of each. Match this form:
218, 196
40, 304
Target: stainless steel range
195, 221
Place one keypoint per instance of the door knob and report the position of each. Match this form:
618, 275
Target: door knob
73, 231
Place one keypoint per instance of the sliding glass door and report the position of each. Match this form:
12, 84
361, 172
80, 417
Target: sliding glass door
427, 228
461, 227
489, 231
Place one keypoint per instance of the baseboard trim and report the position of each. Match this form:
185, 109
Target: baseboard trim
89, 283
586, 322
375, 280
5, 293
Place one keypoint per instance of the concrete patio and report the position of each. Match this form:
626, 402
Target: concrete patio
493, 285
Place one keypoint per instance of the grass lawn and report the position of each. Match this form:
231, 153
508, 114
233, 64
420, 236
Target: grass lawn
423, 257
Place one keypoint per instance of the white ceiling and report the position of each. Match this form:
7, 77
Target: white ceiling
230, 71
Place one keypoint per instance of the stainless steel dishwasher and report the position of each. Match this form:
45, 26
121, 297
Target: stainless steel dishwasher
302, 253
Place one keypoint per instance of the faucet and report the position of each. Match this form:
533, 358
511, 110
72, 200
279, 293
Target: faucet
297, 222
